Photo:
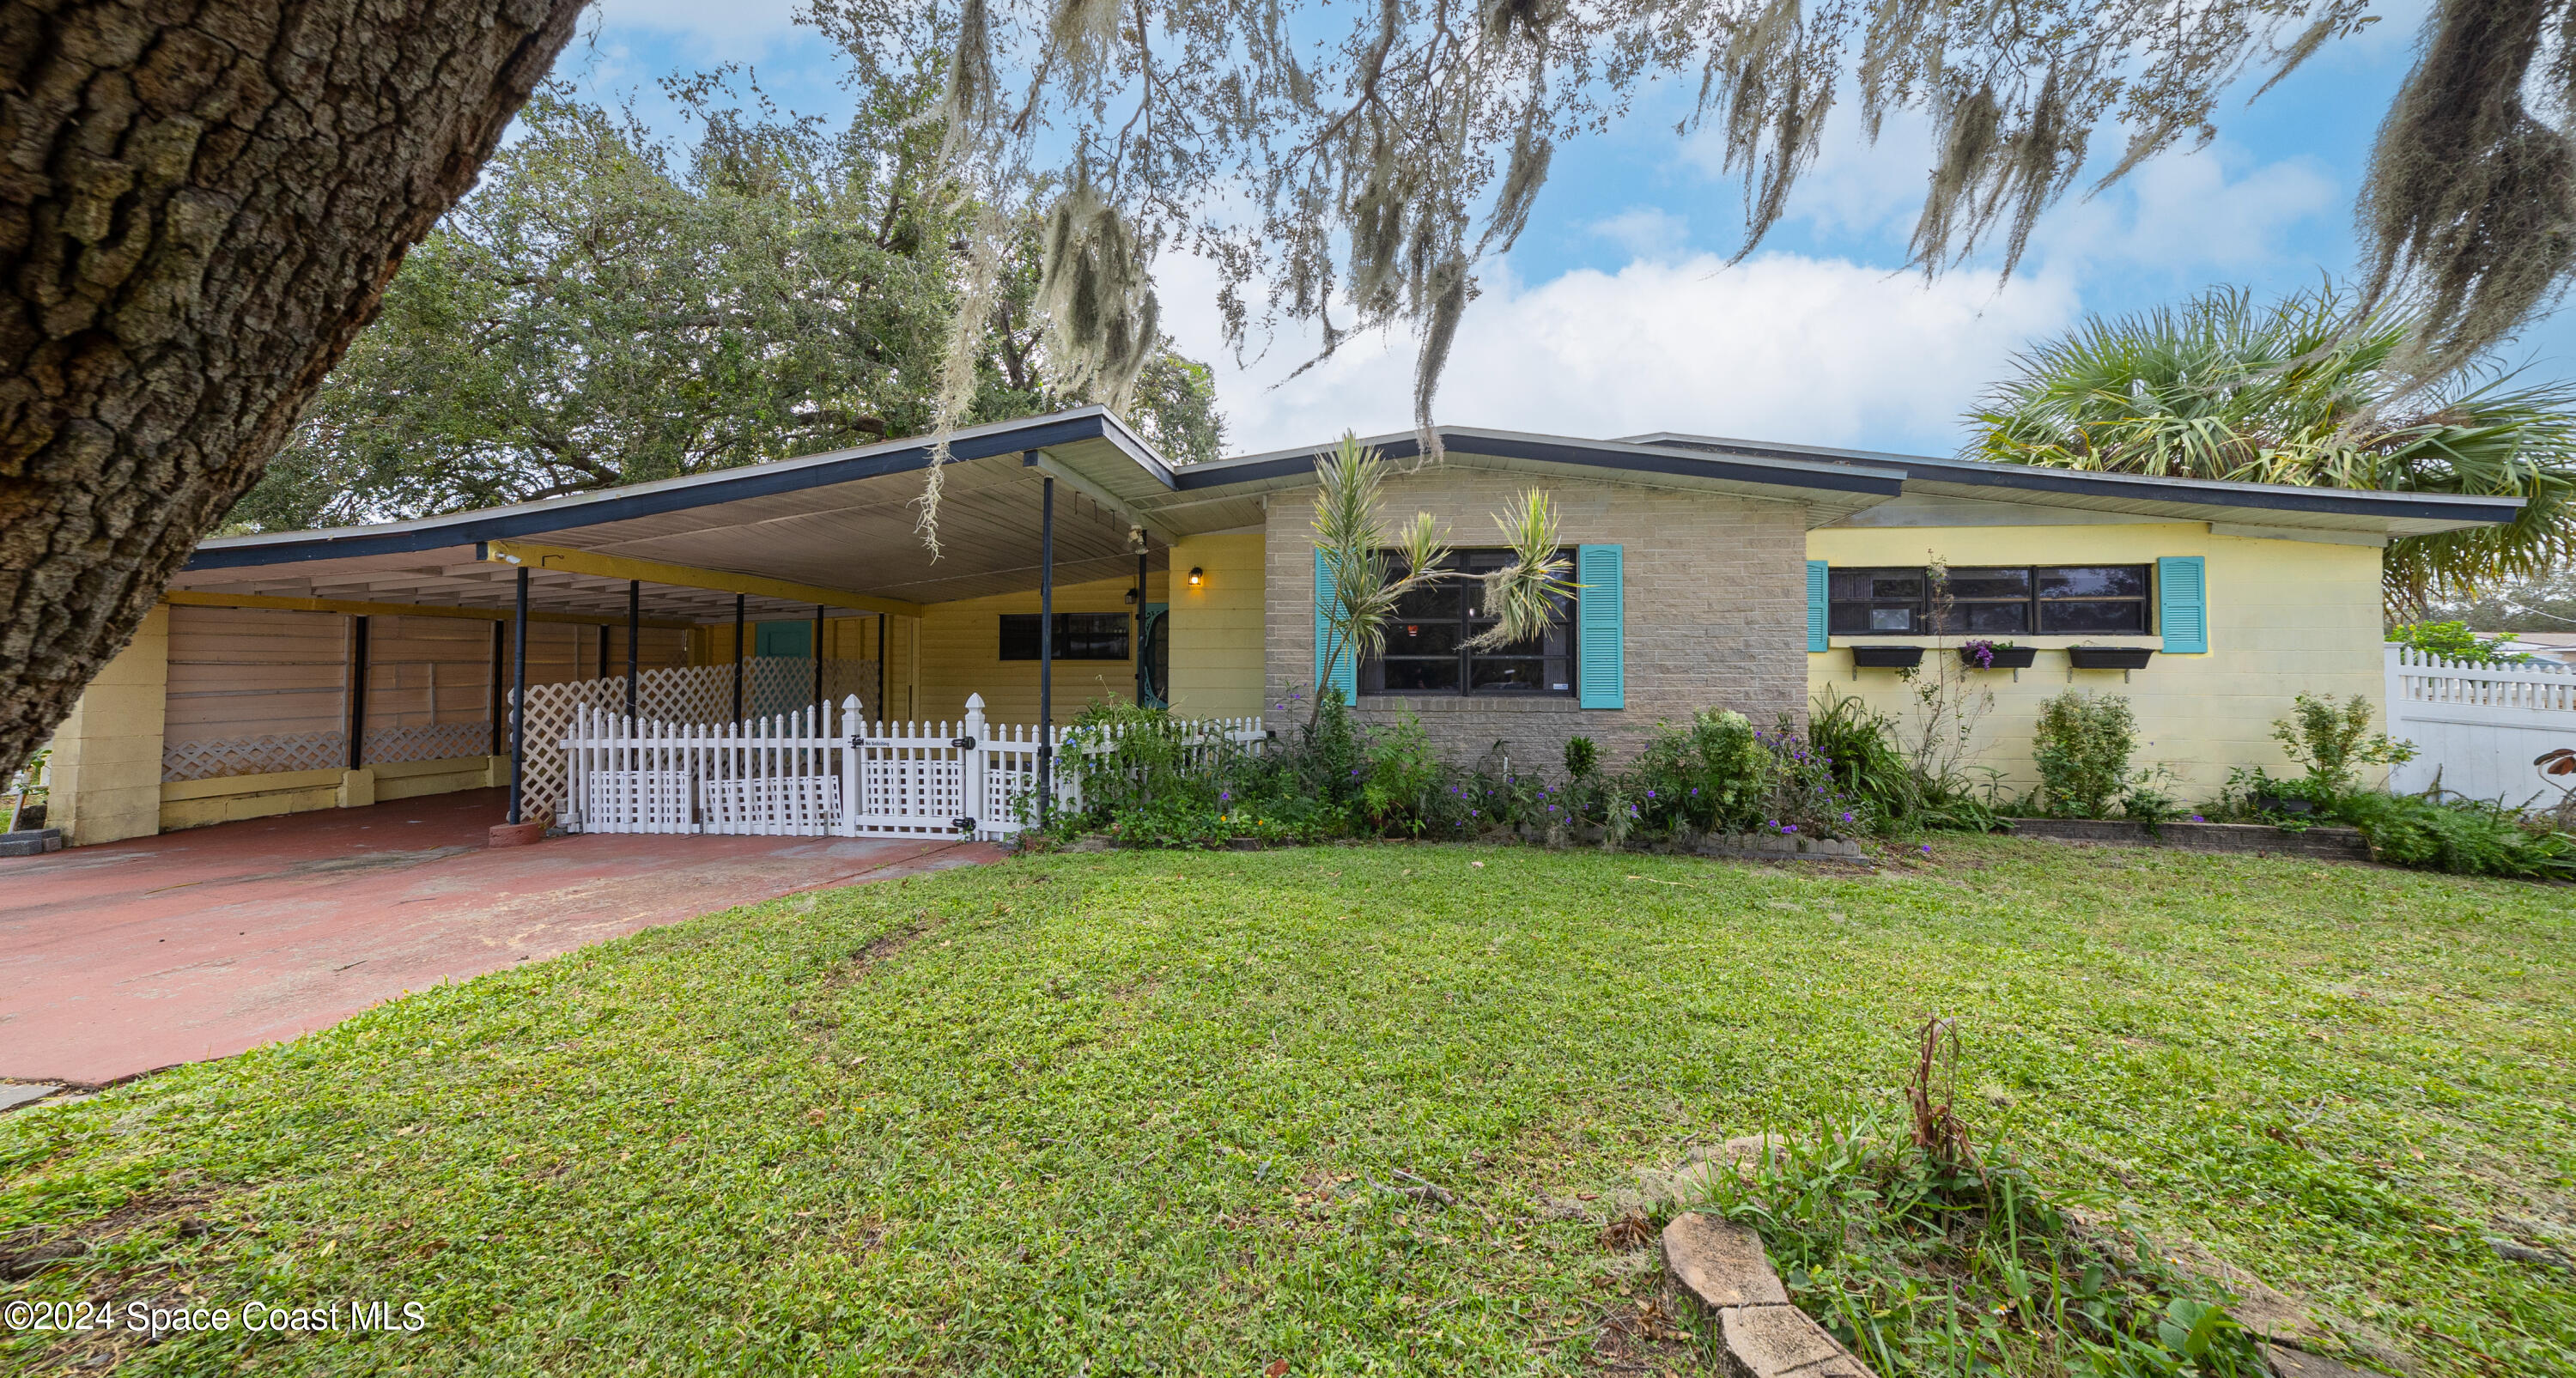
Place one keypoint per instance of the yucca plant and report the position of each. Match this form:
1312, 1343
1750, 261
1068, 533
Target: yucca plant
1353, 541
2300, 392
1524, 593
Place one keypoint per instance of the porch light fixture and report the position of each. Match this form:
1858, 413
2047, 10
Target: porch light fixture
1198, 576
1131, 598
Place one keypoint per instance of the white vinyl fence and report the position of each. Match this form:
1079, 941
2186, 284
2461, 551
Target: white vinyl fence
821, 772
2477, 728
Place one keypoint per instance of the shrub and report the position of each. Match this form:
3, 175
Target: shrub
2082, 749
1405, 789
2454, 641
2331, 741
1860, 746
1713, 775
1581, 758
2462, 836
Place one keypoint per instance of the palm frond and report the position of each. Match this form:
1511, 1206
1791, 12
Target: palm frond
2303, 392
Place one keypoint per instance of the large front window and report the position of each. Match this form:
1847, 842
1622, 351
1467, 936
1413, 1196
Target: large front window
1426, 640
2006, 600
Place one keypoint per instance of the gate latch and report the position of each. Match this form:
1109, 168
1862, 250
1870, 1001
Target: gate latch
963, 743
963, 825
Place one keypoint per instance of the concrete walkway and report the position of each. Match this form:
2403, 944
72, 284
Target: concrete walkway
120, 959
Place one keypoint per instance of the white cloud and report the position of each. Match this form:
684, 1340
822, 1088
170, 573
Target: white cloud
1648, 232
2182, 212
1781, 347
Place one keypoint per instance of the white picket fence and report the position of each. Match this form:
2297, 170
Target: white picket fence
819, 773
2476, 728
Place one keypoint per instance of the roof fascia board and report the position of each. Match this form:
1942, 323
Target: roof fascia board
2353, 502
1588, 454
668, 495
193, 598
590, 562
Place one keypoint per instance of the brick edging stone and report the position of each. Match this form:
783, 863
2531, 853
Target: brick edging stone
2333, 844
1761, 1335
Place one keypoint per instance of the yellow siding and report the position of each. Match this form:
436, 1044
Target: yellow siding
960, 654
105, 771
2285, 617
1216, 650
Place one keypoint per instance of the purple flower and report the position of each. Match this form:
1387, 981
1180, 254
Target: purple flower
1927, 849
2196, 818
1790, 828
1847, 815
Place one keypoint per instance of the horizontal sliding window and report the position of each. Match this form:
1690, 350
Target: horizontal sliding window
1078, 635
1426, 641
1990, 601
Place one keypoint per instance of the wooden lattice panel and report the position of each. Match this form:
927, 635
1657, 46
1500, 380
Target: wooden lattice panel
220, 758
428, 742
699, 695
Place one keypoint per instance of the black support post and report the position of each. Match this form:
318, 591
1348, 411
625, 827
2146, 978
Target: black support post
1140, 622
737, 657
634, 636
357, 689
499, 650
818, 653
603, 650
519, 696
881, 667
1046, 653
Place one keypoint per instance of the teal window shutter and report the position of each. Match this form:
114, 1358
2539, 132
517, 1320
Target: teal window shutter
1344, 674
2182, 603
1818, 638
1599, 627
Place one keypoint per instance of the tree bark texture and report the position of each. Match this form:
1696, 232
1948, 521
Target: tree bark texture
201, 202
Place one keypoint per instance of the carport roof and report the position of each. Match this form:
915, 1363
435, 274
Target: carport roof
840, 529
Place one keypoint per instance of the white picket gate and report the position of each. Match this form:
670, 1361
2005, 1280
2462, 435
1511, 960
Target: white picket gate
815, 773
2476, 727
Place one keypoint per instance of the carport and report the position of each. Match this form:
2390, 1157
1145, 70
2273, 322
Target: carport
300, 671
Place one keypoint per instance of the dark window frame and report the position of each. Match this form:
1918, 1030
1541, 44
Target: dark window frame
1466, 586
1086, 639
2035, 600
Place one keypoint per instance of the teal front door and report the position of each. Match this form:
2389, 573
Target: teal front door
1154, 656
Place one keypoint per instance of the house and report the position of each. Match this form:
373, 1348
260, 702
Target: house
2557, 647
309, 670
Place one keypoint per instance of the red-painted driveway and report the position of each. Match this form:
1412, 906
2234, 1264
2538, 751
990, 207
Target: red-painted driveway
118, 959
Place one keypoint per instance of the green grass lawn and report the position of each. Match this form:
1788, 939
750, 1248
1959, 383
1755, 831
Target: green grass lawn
1123, 1113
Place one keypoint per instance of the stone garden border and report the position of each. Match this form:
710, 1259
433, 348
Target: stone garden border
2330, 844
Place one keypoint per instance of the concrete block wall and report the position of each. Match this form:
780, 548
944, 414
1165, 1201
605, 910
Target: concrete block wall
2285, 617
1716, 601
105, 770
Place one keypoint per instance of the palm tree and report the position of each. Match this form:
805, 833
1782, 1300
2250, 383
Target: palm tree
2299, 392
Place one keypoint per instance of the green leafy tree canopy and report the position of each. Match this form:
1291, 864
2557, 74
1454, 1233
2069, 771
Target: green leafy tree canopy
608, 308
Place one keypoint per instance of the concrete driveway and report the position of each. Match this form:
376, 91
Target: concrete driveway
119, 959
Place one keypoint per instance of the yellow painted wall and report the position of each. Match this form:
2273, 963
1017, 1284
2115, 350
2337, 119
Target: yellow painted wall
105, 770
1216, 650
960, 654
2285, 617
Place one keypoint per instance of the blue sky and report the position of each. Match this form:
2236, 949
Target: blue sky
1616, 314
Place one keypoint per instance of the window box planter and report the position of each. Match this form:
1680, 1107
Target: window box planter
1886, 657
2109, 657
1999, 657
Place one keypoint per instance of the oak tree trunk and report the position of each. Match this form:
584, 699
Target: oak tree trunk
200, 203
